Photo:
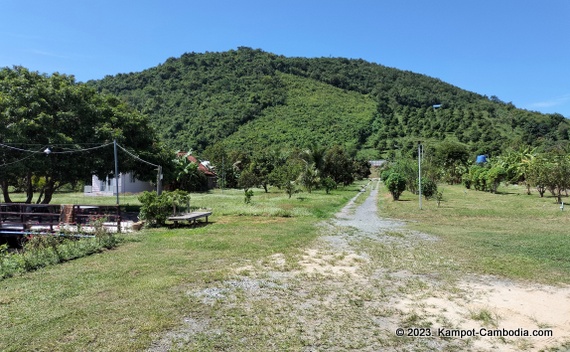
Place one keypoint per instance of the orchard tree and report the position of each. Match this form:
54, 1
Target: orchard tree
452, 157
338, 166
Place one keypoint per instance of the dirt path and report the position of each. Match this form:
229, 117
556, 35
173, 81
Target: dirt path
364, 278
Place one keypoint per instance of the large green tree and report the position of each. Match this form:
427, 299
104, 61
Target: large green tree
76, 124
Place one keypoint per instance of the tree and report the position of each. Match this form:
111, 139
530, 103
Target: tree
495, 175
38, 111
338, 166
396, 185
310, 177
315, 155
516, 164
329, 184
286, 173
187, 176
550, 171
429, 188
452, 157
537, 175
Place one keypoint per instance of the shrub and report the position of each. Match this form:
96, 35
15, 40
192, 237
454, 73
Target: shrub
429, 188
290, 188
495, 175
248, 194
40, 250
396, 184
328, 183
439, 197
156, 209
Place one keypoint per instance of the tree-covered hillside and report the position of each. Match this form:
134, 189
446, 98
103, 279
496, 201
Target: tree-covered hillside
248, 98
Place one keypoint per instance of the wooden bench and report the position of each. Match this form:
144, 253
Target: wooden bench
190, 217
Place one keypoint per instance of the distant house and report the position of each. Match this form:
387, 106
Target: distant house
376, 163
205, 168
127, 184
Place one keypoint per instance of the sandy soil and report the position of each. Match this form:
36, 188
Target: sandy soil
339, 296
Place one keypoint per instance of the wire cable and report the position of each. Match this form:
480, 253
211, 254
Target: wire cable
136, 157
20, 160
20, 149
81, 150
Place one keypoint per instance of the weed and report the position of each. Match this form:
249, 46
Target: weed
485, 316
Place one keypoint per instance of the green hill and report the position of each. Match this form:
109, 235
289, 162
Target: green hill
246, 99
314, 114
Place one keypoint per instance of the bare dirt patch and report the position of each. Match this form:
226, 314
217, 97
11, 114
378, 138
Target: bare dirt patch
364, 278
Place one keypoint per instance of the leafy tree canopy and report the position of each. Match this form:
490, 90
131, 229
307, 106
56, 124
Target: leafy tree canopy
38, 111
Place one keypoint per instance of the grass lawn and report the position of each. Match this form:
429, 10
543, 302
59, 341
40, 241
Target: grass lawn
509, 234
127, 298
123, 299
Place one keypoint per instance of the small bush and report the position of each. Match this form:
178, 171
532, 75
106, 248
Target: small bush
396, 184
39, 251
328, 184
248, 194
429, 188
156, 209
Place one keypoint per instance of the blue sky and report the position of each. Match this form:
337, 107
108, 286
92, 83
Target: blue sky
517, 50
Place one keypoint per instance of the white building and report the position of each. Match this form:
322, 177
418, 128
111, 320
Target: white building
127, 184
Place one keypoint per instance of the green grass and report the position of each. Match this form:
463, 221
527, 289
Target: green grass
134, 295
509, 234
123, 299
80, 198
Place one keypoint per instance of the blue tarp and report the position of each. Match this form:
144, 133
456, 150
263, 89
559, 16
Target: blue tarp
481, 159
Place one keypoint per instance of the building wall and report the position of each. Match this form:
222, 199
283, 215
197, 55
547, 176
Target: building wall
127, 184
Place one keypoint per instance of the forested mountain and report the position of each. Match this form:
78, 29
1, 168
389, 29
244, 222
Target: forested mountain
246, 99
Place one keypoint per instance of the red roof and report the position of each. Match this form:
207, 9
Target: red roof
201, 167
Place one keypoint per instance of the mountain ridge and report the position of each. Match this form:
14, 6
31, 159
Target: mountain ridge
248, 98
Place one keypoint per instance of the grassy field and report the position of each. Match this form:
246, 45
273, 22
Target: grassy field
123, 299
510, 234
132, 296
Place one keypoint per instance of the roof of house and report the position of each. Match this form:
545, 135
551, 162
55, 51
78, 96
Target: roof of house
201, 166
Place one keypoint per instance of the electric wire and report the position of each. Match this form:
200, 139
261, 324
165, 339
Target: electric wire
136, 157
17, 161
48, 151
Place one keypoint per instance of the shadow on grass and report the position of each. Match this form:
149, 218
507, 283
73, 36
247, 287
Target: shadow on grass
190, 225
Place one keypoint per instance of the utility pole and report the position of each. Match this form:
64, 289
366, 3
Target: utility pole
116, 170
159, 181
420, 173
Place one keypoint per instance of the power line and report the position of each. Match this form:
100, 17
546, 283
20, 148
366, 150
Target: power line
20, 149
80, 150
17, 161
136, 157
49, 151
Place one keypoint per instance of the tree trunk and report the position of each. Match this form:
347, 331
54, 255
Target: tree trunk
5, 192
48, 192
29, 189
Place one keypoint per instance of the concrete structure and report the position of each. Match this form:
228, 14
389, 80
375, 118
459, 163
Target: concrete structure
127, 184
